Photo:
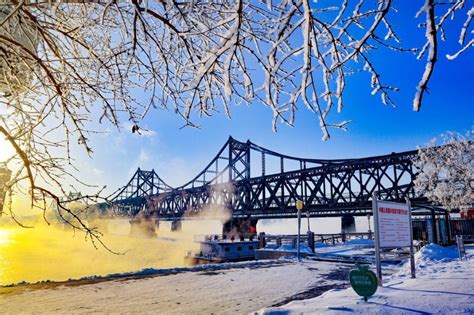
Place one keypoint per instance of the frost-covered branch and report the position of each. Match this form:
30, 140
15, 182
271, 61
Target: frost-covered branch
431, 36
63, 64
446, 173
435, 25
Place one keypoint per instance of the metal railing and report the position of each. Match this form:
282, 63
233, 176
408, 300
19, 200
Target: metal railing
319, 238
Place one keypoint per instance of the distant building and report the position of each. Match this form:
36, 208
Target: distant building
4, 178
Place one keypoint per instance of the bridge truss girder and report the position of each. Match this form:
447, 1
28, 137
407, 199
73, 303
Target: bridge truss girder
331, 189
142, 184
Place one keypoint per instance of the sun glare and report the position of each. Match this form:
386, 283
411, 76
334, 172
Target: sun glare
5, 236
5, 150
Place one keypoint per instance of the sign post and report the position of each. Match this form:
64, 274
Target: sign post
412, 253
378, 264
393, 229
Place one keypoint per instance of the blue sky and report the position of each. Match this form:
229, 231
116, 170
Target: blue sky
178, 154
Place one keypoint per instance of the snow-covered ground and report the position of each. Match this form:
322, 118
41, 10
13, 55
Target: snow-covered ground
444, 285
352, 248
243, 288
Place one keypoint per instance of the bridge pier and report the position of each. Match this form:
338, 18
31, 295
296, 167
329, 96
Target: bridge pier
176, 226
240, 226
348, 224
146, 227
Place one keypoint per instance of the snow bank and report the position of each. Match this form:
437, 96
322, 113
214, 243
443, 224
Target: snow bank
430, 255
444, 285
433, 252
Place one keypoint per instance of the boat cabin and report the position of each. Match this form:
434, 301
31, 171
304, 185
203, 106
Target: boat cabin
218, 248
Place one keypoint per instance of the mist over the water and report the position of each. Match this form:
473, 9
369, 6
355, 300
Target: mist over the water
56, 253
53, 252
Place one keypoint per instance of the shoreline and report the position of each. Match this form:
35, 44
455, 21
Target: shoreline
140, 274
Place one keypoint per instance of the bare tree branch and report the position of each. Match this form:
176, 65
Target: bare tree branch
60, 63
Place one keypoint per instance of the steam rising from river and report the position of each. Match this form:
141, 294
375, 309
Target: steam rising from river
55, 253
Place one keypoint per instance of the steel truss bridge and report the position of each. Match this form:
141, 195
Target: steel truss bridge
250, 181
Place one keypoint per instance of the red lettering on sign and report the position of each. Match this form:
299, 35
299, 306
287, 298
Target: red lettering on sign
393, 211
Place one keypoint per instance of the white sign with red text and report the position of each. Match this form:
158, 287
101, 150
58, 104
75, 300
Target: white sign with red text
394, 226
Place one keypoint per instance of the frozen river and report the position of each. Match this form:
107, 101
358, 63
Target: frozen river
53, 253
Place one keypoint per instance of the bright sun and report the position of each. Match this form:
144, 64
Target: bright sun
5, 150
5, 236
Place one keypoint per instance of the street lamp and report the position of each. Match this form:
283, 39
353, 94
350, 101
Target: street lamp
307, 216
299, 207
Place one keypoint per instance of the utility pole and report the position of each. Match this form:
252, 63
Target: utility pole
299, 207
307, 216
370, 231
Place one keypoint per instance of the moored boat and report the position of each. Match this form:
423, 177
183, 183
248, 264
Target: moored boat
222, 248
